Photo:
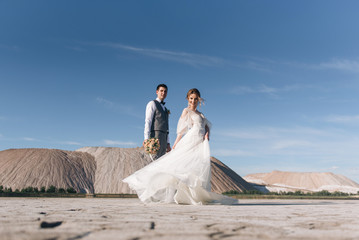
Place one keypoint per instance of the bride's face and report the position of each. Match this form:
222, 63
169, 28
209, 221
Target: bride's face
193, 100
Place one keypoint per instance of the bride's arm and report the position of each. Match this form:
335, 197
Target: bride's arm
206, 135
207, 128
179, 136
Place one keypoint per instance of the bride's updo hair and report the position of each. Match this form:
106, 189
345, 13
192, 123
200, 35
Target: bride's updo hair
195, 91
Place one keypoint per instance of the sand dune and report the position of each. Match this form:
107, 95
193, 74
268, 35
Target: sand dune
306, 181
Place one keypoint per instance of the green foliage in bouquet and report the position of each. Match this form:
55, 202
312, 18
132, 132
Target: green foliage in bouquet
152, 145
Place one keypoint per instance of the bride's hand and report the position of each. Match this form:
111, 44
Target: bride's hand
206, 136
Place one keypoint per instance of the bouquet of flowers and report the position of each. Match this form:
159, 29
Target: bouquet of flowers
151, 145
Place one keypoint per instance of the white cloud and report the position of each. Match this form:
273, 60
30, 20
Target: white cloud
284, 144
9, 47
270, 132
112, 142
250, 62
229, 152
263, 89
105, 102
343, 119
192, 59
251, 90
77, 49
340, 64
181, 57
344, 65
334, 168
29, 139
245, 134
120, 108
72, 143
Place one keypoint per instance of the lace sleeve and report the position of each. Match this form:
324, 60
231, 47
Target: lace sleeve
184, 123
206, 122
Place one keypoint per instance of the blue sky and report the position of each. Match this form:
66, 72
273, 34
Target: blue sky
280, 78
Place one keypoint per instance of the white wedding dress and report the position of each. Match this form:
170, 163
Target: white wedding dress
182, 176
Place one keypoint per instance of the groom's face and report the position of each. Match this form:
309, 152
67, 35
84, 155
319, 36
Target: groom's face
161, 93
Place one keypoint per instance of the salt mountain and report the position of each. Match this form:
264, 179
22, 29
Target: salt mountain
91, 169
277, 181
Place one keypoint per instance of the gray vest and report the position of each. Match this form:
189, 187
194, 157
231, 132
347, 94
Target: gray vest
160, 119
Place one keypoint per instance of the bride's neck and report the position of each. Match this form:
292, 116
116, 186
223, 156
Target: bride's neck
193, 109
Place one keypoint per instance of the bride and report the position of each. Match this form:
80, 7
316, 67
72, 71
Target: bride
182, 176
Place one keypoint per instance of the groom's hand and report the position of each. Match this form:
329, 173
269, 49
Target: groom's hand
168, 147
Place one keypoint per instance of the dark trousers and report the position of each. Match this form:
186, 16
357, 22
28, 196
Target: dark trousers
162, 137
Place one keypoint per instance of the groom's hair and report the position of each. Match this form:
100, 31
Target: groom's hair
162, 85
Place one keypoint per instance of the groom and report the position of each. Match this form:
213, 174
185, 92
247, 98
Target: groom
156, 122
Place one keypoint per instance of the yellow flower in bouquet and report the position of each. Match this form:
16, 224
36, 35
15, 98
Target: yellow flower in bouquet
152, 145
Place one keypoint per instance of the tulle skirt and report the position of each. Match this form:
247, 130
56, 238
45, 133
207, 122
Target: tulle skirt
182, 176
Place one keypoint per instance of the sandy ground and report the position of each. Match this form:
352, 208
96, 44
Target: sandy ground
96, 218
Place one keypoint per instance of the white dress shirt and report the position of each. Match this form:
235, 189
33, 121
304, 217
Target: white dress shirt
150, 111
